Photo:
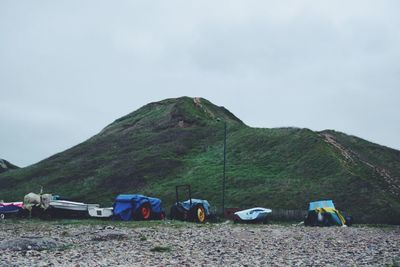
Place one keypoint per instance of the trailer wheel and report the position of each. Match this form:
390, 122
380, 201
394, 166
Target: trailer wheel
145, 211
199, 214
2, 216
162, 215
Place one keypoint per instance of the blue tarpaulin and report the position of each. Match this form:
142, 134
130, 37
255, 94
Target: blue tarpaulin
125, 206
327, 206
321, 204
336, 218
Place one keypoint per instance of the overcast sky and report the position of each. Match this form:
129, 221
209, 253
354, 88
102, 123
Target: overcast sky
69, 68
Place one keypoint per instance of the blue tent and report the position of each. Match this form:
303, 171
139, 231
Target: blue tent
126, 206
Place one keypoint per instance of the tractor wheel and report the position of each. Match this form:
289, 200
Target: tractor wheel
199, 214
145, 211
2, 216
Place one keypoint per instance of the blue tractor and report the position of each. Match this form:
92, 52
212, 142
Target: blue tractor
195, 210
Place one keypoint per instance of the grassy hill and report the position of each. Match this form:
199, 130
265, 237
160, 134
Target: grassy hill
179, 141
6, 166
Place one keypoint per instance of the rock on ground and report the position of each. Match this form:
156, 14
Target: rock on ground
109, 235
30, 243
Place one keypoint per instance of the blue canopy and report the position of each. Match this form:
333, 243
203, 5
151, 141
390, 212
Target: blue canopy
321, 204
125, 206
206, 205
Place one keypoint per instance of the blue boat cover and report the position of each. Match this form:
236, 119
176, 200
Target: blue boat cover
125, 206
206, 205
321, 204
336, 218
329, 207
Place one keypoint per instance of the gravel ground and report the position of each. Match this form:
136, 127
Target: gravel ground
185, 244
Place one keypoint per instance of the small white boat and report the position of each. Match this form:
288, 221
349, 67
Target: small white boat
64, 209
252, 215
71, 205
100, 212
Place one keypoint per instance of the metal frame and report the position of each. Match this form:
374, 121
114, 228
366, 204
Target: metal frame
188, 188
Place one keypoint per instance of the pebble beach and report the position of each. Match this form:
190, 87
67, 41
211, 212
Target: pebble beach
187, 244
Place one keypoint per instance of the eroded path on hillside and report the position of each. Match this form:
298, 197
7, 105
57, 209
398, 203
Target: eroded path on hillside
351, 157
184, 244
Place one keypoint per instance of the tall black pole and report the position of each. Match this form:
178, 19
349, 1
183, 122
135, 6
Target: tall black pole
223, 179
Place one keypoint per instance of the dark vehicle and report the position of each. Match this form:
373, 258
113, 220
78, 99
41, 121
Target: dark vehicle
195, 210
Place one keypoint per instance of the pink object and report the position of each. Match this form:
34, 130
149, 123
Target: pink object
17, 204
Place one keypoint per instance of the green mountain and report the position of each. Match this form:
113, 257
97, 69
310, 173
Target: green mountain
6, 166
179, 141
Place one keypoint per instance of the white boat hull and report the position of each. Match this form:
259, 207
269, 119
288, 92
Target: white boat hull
100, 212
254, 214
70, 205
